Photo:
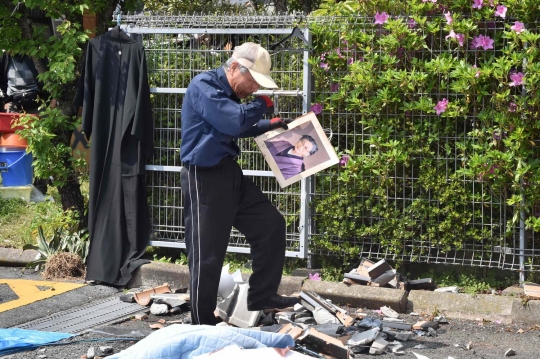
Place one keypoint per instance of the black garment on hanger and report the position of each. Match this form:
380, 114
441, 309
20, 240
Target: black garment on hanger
115, 96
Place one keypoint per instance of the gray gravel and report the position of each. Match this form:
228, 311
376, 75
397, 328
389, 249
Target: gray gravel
484, 339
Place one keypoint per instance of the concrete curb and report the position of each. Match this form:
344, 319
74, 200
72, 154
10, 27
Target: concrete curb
506, 309
13, 257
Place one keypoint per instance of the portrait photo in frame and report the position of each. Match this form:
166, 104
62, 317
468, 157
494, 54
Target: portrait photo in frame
298, 152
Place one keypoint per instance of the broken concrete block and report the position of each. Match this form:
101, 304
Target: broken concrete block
404, 336
363, 338
329, 329
156, 326
225, 307
226, 282
105, 350
159, 309
379, 268
532, 290
389, 312
385, 278
322, 343
357, 278
378, 346
422, 284
306, 321
240, 315
127, 298
322, 316
425, 324
298, 315
510, 352
370, 322
171, 299
396, 325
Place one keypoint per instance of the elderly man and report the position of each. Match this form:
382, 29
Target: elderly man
217, 196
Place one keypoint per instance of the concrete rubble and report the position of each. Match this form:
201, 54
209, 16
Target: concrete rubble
381, 274
319, 328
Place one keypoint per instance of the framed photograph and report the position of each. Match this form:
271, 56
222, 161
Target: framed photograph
298, 152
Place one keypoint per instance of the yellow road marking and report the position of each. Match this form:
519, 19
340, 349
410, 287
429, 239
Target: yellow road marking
28, 291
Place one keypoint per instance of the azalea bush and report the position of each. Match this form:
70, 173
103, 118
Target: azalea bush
436, 109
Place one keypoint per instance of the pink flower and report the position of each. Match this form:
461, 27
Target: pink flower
512, 107
448, 17
381, 18
324, 66
517, 79
477, 4
501, 11
459, 37
518, 27
411, 23
350, 61
441, 106
316, 108
344, 160
334, 87
482, 41
314, 276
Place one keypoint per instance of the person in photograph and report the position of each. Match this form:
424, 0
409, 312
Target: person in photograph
290, 157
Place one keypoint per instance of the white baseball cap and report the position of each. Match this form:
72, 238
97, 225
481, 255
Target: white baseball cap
257, 60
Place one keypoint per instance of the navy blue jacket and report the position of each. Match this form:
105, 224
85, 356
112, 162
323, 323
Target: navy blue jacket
213, 119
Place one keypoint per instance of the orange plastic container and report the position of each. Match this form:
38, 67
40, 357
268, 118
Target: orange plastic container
12, 140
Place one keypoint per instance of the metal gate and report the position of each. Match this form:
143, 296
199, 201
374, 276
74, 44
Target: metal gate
178, 48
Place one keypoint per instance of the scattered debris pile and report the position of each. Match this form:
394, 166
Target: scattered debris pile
319, 328
381, 274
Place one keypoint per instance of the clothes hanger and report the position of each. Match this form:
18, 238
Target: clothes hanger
297, 33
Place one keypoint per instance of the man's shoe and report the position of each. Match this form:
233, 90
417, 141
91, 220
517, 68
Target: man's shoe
276, 301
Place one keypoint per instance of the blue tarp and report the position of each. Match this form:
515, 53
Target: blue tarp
180, 341
14, 339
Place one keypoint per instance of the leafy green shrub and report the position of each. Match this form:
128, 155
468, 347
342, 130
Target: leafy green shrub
63, 239
443, 100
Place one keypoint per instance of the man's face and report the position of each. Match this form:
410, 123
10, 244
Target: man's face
303, 147
242, 84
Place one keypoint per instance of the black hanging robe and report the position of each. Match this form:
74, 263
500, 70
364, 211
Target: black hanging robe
117, 116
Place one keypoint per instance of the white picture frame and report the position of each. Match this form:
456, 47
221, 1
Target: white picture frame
304, 134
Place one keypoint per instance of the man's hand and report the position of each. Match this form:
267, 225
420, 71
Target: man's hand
268, 125
267, 101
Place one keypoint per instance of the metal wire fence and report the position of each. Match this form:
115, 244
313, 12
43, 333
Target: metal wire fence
180, 47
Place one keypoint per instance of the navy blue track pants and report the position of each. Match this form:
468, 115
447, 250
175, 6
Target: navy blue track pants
216, 199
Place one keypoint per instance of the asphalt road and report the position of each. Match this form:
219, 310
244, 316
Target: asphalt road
459, 339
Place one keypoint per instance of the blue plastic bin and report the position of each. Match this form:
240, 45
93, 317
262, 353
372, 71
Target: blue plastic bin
15, 167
